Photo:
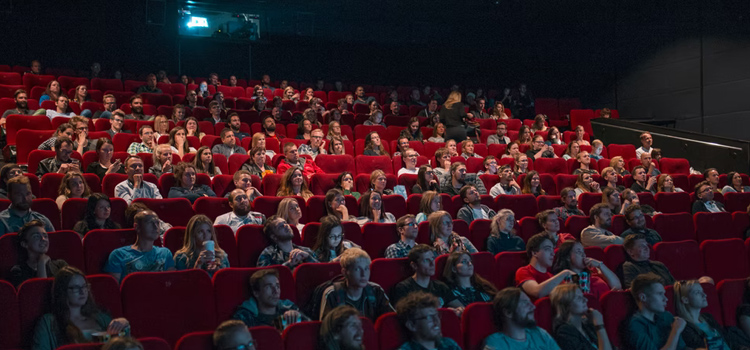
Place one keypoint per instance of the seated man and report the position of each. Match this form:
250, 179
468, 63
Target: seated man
711, 175
265, 306
473, 209
490, 166
147, 143
61, 108
704, 199
535, 279
637, 222
282, 251
135, 187
228, 145
240, 214
457, 178
597, 234
315, 146
651, 327
116, 123
110, 105
570, 204
356, 289
639, 252
292, 158
19, 212
142, 256
646, 142
136, 109
81, 143
640, 183
499, 137
244, 180
514, 313
22, 106
269, 128
341, 329
422, 261
407, 230
235, 124
507, 184
150, 86
33, 244
215, 109
61, 163
649, 165
418, 313
430, 111
233, 334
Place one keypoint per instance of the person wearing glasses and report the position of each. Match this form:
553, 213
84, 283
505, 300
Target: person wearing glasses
418, 313
315, 146
407, 231
539, 149
233, 335
410, 161
116, 123
704, 202
75, 317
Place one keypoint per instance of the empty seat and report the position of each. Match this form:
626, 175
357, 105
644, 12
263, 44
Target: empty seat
575, 224
714, 226
377, 237
736, 201
672, 254
10, 329
627, 152
674, 166
176, 211
617, 306
731, 293
565, 180
389, 272
522, 205
477, 323
98, 244
368, 164
232, 287
34, 300
675, 227
212, 206
551, 166
310, 275
587, 200
506, 264
250, 243
336, 164
725, 258
673, 202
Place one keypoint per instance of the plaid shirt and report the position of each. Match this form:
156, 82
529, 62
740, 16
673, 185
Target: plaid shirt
141, 147
397, 250
127, 191
273, 255
232, 220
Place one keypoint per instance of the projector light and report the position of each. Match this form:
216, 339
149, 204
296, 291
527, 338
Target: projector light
201, 22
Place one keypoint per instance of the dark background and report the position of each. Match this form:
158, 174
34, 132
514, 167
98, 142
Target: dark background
685, 60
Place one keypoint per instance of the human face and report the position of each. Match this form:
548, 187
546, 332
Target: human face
269, 291
646, 159
296, 178
696, 298
316, 139
37, 241
360, 92
736, 180
575, 148
137, 105
580, 132
149, 228
429, 174
14, 172
513, 149
646, 141
349, 99
552, 224
62, 104
376, 202
240, 202
295, 213
358, 274
425, 265
577, 257
472, 196
546, 254
469, 147
206, 157
22, 101
460, 173
414, 127
337, 202
235, 122
350, 335
36, 67
610, 177
21, 197
151, 81
614, 199
637, 220
240, 339
538, 143
76, 186
410, 158
188, 178
432, 106
64, 152
605, 218
425, 323
192, 96
105, 152
403, 144
640, 250
523, 316
706, 193
338, 147
228, 139
535, 181
506, 223
215, 111
147, 135
335, 236
102, 210
135, 166
395, 108
554, 134
410, 230
654, 298
78, 291
451, 146
179, 137
347, 182
640, 175
164, 155
441, 129
570, 200
55, 87
526, 135
523, 162
202, 233
585, 158
506, 175
501, 130
713, 177
259, 158
309, 93
375, 139
282, 232
579, 306
446, 226
587, 180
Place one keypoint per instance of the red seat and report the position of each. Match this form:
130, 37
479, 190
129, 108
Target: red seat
551, 166
10, 78
368, 164
302, 336
673, 202
674, 166
65, 245
212, 206
10, 327
522, 205
98, 244
48, 208
267, 205
154, 303
617, 306
106, 84
7, 91
587, 200
614, 256
106, 291
477, 323
73, 210
741, 221
361, 131
333, 164
674, 227
27, 142
176, 211
714, 226
196, 341
672, 254
34, 300
391, 334
270, 184
736, 201
389, 272
528, 226
377, 237
627, 152
321, 183
545, 202
310, 275
575, 224
731, 293
232, 287
122, 141
725, 258
16, 122
547, 181
31, 80
479, 232
506, 264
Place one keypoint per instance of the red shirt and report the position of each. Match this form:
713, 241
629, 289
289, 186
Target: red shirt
528, 273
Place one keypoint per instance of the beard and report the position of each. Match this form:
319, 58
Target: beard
524, 322
22, 105
271, 128
241, 212
137, 110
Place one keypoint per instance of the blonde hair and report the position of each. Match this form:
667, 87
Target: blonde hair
158, 149
436, 223
64, 189
453, 98
156, 124
607, 170
682, 290
562, 297
613, 162
495, 225
256, 137
190, 246
351, 255
283, 210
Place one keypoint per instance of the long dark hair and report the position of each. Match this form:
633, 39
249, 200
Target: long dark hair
562, 257
340, 179
421, 181
477, 281
65, 331
90, 215
323, 251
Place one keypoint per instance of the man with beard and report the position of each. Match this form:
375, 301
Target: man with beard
570, 204
269, 128
430, 111
150, 86
265, 81
192, 99
418, 312
136, 109
276, 114
22, 106
597, 234
265, 306
456, 181
240, 214
243, 180
422, 261
514, 313
360, 97
61, 163
61, 108
535, 279
235, 123
19, 212
282, 251
110, 105
637, 221
407, 230
507, 184
473, 208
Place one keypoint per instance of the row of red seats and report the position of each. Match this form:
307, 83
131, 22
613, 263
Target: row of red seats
147, 297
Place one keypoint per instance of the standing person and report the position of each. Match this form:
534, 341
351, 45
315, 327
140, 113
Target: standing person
452, 115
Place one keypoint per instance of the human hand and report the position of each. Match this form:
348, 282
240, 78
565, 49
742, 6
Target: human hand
117, 325
592, 263
596, 317
44, 259
63, 168
291, 316
678, 325
137, 180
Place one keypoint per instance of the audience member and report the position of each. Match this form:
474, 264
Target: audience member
265, 306
293, 183
136, 109
61, 108
431, 110
52, 92
315, 146
597, 234
282, 251
233, 334
618, 164
330, 243
334, 131
406, 226
443, 164
290, 211
186, 186
61, 163
256, 164
638, 263
520, 164
228, 145
550, 224
532, 184
135, 187
7, 172
611, 198
539, 149
150, 86
104, 164
116, 122
734, 184
422, 262
651, 327
193, 129
609, 175
442, 237
650, 166
467, 150
438, 133
743, 310
555, 137
580, 134
259, 140
704, 199
536, 278
584, 159
215, 111
335, 205
500, 137
452, 146
586, 184
596, 151
473, 209
572, 151
576, 326
498, 111
413, 131
371, 209
378, 182
453, 115
142, 255
147, 144
345, 183
591, 275
401, 145
304, 129
204, 162
162, 160
341, 328
73, 185
490, 166
507, 184
503, 234
570, 204
637, 222
161, 127
235, 124
33, 262
418, 313
96, 216
200, 248
241, 214
374, 145
426, 180
410, 162
641, 182
466, 285
711, 175
431, 202
517, 329
292, 159
525, 136
20, 99
19, 212
646, 142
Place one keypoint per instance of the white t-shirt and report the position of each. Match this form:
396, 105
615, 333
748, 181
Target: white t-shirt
407, 171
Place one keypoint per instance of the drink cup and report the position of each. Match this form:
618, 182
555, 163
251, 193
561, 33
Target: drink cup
208, 245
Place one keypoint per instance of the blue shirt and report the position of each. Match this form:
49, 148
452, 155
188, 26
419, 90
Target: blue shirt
536, 339
10, 222
127, 260
643, 334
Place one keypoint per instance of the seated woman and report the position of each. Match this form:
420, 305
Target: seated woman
376, 118
586, 183
204, 162
539, 149
104, 165
336, 205
162, 159
539, 123
521, 165
289, 94
185, 177
334, 131
52, 92
532, 184
629, 197
65, 129
618, 164
702, 330
330, 243
665, 183
378, 182
374, 145
576, 326
426, 180
259, 140
431, 202
593, 276
178, 113
256, 164
96, 216
73, 185
179, 143
336, 147
335, 115
33, 262
452, 147
580, 133
200, 248
308, 95
290, 211
372, 210
443, 161
467, 286
7, 172
503, 234
161, 126
611, 197
304, 129
596, 149
409, 159
498, 111
442, 237
438, 133
584, 159
467, 149
734, 183
513, 149
572, 151
293, 184
524, 135
75, 318
345, 183
554, 136
192, 128
609, 175
81, 95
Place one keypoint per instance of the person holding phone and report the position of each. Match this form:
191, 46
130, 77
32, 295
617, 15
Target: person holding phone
591, 275
105, 164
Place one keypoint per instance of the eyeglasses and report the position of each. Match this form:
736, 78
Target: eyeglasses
78, 289
336, 236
